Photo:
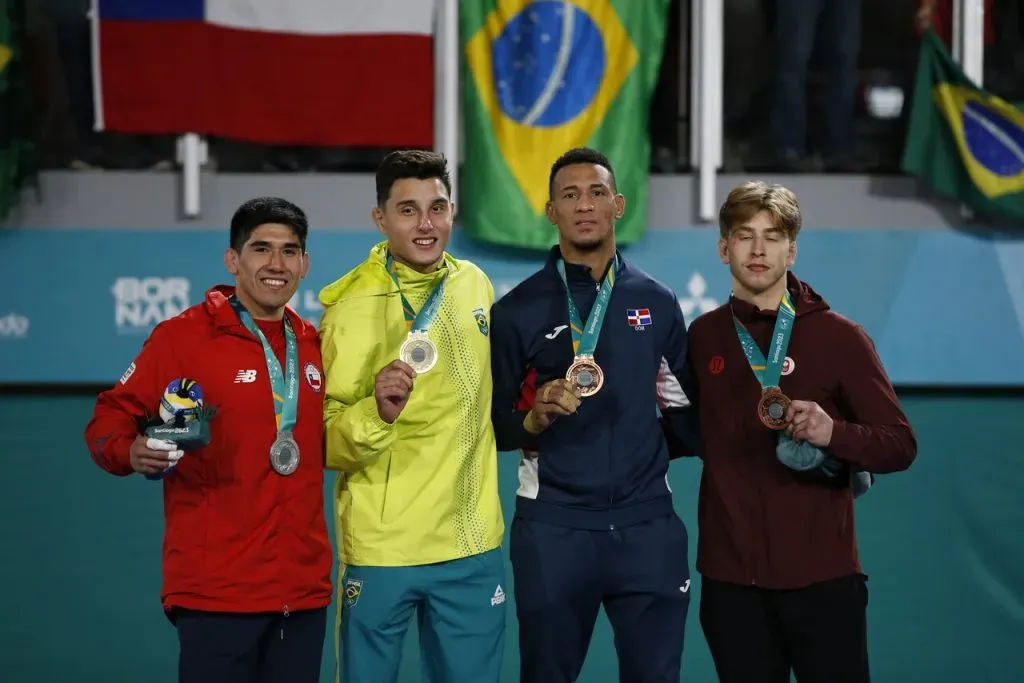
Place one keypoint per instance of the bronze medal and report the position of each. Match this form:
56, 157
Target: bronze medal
585, 376
772, 408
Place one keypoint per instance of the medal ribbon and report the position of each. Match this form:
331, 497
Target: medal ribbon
285, 388
418, 322
584, 338
769, 371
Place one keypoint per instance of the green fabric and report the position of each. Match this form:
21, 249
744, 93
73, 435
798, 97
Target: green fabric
511, 140
962, 141
460, 608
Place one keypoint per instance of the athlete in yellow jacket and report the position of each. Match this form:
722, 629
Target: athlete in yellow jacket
407, 415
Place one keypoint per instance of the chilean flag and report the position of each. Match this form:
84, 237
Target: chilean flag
347, 73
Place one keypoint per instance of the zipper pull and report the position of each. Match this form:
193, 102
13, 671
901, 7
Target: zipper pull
282, 625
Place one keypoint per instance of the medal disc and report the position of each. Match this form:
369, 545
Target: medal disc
586, 376
772, 409
419, 353
284, 454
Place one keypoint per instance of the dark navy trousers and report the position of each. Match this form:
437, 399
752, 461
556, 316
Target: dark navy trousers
562, 577
219, 647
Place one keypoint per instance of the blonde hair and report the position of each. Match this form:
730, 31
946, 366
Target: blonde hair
751, 198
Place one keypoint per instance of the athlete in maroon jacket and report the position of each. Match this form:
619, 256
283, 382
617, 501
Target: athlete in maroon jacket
782, 586
246, 559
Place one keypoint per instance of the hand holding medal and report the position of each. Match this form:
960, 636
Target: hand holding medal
392, 388
557, 398
808, 422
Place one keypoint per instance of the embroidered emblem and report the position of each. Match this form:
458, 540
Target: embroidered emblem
638, 318
481, 321
353, 588
313, 377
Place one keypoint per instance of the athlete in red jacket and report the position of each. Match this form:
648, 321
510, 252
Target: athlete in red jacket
246, 559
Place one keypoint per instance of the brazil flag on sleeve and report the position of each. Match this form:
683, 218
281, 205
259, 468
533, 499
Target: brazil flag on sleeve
963, 141
542, 77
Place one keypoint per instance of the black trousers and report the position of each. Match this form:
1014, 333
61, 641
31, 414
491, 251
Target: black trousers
757, 635
219, 647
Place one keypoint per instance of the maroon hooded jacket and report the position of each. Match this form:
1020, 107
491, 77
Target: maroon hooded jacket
761, 523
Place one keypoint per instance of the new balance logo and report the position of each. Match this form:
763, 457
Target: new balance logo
555, 332
245, 377
498, 597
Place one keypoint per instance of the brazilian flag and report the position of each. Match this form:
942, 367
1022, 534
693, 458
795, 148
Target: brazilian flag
962, 141
541, 77
16, 149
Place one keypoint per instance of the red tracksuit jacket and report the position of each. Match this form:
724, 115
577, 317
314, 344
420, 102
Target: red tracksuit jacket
238, 536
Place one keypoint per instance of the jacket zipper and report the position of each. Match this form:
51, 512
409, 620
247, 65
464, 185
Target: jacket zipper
611, 481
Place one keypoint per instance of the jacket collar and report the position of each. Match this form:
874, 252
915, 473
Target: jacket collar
805, 300
217, 305
379, 254
575, 272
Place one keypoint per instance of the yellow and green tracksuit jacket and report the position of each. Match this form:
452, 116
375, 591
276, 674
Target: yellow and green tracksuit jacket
424, 489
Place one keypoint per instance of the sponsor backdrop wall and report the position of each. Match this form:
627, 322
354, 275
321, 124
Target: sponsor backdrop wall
944, 308
940, 542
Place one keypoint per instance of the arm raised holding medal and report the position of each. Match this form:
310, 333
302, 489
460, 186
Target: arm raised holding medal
358, 418
577, 357
407, 419
392, 389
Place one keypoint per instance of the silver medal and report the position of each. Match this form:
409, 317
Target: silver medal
418, 352
284, 454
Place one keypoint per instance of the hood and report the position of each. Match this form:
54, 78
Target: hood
372, 278
805, 300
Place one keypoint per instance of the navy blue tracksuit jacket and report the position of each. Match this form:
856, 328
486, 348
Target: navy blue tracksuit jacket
594, 522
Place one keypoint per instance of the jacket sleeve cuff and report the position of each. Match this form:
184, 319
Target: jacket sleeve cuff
528, 439
373, 418
118, 452
843, 440
511, 433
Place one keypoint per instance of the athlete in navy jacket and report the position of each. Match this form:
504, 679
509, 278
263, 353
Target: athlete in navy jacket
594, 522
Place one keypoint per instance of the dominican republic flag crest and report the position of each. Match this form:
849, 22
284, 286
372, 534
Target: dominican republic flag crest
638, 317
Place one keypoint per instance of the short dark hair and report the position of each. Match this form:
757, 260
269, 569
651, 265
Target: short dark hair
579, 155
420, 164
262, 210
